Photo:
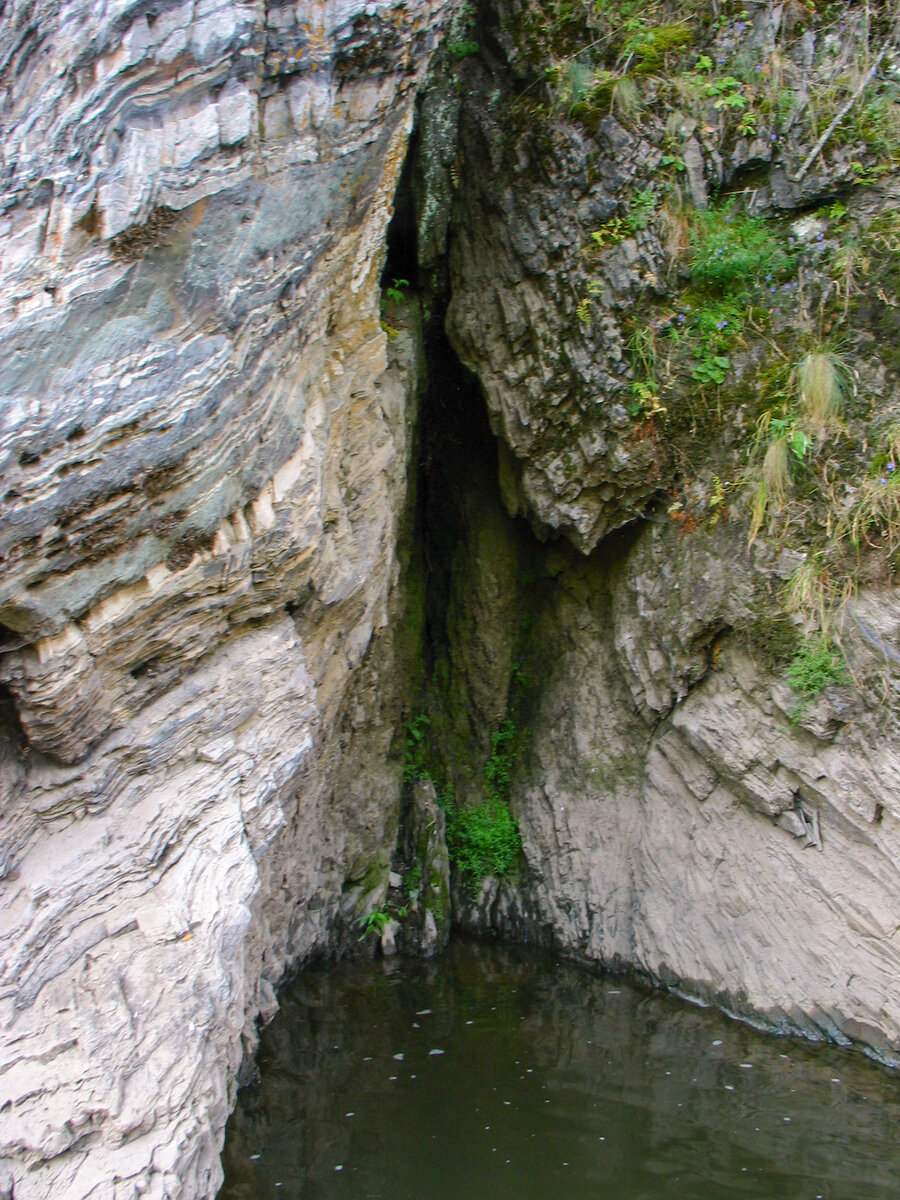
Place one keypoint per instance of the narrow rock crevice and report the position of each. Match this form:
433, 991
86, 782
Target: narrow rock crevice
580, 579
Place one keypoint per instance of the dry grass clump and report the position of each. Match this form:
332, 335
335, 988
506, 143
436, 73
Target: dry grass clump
625, 100
776, 471
823, 380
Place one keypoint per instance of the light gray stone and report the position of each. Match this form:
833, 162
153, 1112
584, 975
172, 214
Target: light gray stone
203, 449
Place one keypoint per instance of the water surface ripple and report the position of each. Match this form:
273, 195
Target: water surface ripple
499, 1074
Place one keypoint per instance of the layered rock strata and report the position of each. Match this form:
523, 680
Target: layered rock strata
203, 450
204, 438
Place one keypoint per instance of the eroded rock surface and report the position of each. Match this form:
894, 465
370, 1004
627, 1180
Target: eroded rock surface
203, 450
713, 842
204, 444
682, 809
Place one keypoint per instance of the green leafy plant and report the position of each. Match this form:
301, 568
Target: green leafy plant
462, 48
483, 839
817, 665
376, 922
673, 160
711, 369
611, 232
412, 884
498, 768
748, 124
728, 248
641, 211
731, 100
396, 291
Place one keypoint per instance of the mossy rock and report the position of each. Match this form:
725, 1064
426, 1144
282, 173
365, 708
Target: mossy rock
774, 639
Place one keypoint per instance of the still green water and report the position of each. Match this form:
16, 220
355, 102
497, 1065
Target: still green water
497, 1074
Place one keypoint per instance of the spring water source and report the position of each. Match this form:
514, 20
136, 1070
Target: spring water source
498, 1074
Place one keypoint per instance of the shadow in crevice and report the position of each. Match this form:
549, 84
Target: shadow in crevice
457, 462
402, 243
13, 741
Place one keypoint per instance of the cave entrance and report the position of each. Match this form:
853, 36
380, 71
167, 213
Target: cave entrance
401, 262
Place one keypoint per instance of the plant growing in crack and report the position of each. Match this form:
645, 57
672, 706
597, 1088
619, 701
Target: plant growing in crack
376, 922
817, 665
396, 291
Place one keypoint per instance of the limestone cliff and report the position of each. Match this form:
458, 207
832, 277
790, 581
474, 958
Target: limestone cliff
218, 611
203, 444
661, 224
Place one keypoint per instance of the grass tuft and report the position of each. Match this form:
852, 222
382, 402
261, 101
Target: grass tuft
776, 471
822, 379
625, 100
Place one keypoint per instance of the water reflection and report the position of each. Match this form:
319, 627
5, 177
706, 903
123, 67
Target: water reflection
497, 1073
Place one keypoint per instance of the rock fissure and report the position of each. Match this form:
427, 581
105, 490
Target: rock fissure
462, 523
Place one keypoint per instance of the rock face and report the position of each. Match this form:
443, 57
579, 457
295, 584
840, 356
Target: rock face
205, 445
677, 813
203, 449
682, 810
707, 839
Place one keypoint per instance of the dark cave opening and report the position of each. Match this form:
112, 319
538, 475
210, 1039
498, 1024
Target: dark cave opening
401, 262
457, 454
12, 736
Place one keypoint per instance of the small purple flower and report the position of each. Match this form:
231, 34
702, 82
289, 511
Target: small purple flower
774, 137
820, 237
771, 289
758, 67
892, 466
720, 60
883, 480
687, 308
742, 25
681, 317
791, 241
